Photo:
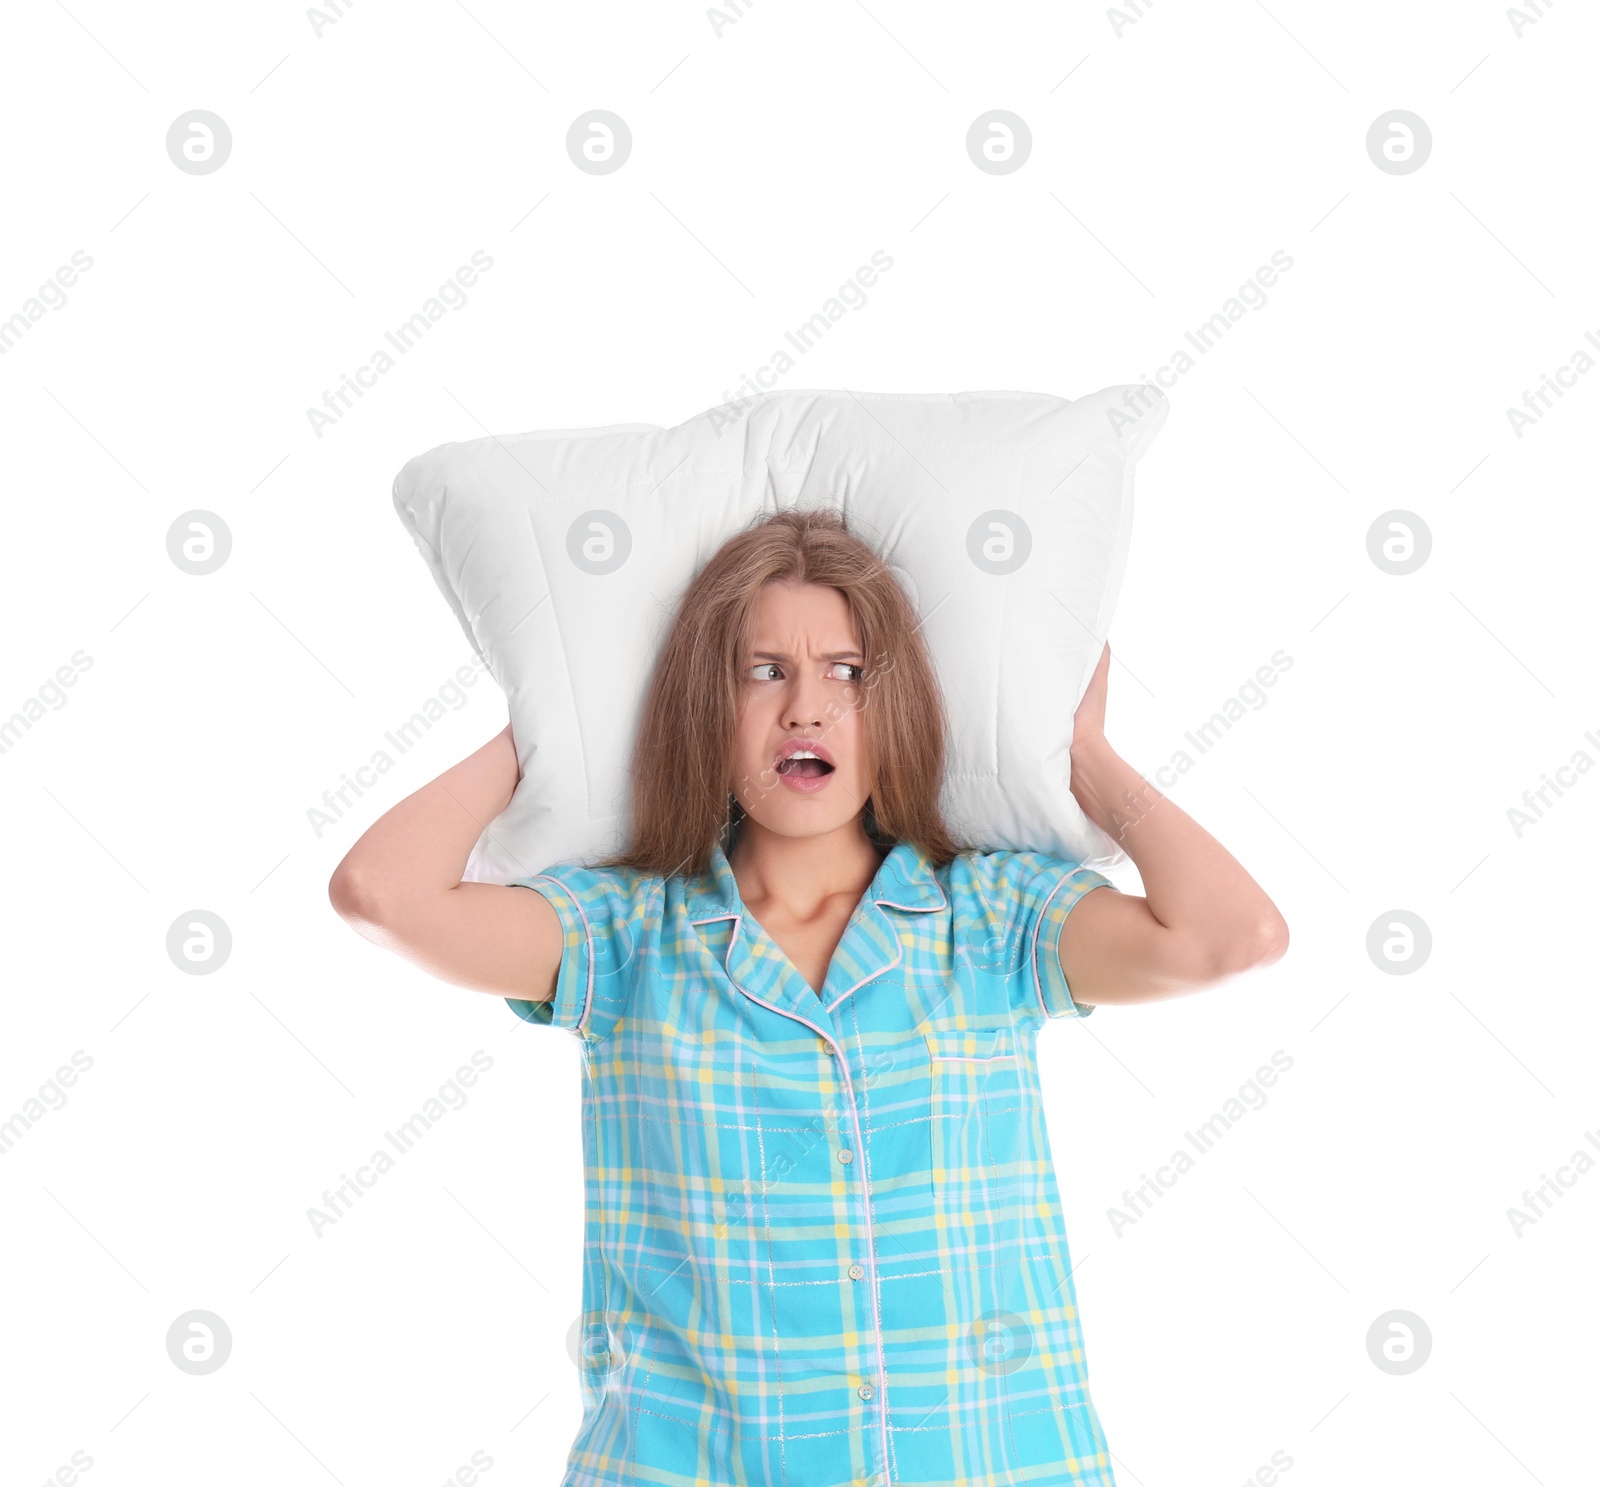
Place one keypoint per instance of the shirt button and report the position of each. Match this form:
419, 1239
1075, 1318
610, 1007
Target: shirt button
828, 1048
856, 1272
865, 1391
847, 1155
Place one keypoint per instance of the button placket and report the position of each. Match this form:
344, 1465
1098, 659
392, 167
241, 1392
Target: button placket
749, 980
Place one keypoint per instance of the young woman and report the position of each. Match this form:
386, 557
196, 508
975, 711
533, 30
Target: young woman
824, 1242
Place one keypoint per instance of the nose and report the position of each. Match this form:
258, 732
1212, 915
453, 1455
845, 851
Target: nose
804, 710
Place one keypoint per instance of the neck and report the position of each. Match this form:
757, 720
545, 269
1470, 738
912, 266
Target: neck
801, 873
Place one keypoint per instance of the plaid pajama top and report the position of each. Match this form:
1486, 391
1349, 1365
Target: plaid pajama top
823, 1241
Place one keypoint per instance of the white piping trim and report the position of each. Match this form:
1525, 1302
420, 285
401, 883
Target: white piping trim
866, 1198
1044, 909
579, 1027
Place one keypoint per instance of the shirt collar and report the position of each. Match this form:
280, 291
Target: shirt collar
870, 946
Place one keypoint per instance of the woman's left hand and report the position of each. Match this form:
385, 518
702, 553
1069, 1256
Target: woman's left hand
1202, 917
1089, 721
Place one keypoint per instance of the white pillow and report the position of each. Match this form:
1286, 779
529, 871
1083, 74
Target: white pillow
1006, 515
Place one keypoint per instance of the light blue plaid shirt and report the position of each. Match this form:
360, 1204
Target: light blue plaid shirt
823, 1241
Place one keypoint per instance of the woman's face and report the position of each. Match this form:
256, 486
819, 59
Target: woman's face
803, 680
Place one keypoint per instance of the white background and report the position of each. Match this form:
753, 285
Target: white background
1171, 156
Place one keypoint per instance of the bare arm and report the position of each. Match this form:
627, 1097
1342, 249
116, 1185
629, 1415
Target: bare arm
1204, 917
400, 885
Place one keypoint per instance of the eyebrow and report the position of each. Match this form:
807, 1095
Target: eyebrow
831, 656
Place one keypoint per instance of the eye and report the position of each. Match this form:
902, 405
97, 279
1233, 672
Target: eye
760, 667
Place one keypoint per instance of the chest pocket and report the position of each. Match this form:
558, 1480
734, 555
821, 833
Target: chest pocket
977, 1108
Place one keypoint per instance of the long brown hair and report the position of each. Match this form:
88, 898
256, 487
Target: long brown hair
684, 751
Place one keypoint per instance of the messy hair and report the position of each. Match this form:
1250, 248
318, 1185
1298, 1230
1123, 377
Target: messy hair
684, 751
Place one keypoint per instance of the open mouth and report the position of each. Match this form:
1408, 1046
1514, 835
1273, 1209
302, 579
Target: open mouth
805, 766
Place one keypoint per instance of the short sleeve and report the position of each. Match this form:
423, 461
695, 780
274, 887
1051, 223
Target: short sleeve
606, 914
1062, 885
1019, 904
